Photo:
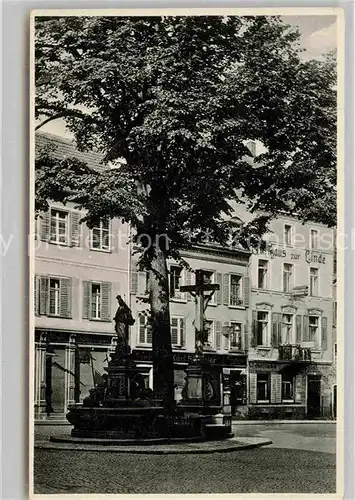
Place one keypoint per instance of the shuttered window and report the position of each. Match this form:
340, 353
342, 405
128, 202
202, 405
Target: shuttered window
177, 331
235, 292
288, 388
60, 227
54, 296
144, 330
97, 301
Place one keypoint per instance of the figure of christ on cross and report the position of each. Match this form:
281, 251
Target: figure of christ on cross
203, 291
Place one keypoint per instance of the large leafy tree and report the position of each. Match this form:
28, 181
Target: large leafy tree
177, 98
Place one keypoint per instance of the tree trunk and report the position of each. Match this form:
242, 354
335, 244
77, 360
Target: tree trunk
163, 367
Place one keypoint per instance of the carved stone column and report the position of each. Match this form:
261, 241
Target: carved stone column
40, 377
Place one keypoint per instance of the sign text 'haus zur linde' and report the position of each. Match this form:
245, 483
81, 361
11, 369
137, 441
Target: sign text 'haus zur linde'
310, 256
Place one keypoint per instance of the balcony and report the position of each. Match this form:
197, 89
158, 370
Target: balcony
295, 353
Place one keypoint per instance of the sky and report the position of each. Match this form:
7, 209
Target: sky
318, 35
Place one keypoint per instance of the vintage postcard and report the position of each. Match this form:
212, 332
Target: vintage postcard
187, 252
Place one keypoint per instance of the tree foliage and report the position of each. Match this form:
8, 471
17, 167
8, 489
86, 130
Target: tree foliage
177, 98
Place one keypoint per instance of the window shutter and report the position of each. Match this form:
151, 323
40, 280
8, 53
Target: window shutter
141, 328
45, 223
189, 297
36, 296
274, 336
298, 328
149, 331
324, 334
182, 332
174, 330
75, 229
142, 283
218, 334
275, 396
134, 282
298, 388
246, 290
305, 329
226, 289
252, 388
246, 338
106, 302
219, 280
279, 325
43, 295
65, 297
86, 299
226, 338
254, 327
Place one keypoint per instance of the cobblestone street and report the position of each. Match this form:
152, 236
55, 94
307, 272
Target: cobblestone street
301, 459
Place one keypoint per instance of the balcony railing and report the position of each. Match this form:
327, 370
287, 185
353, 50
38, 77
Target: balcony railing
289, 352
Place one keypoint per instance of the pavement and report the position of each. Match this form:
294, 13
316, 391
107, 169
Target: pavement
301, 459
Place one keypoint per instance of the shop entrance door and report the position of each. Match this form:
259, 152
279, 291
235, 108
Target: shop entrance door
238, 390
55, 382
313, 396
334, 401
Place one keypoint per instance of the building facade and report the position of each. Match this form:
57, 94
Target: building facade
271, 337
290, 355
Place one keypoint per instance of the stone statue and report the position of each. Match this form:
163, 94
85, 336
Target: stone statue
123, 319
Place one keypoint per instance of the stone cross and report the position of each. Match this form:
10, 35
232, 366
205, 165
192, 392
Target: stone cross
198, 290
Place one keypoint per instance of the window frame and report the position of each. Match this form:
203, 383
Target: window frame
67, 226
311, 291
58, 294
292, 323
266, 340
268, 387
102, 248
290, 244
266, 276
283, 382
182, 295
146, 326
211, 344
234, 323
292, 277
179, 319
312, 231
92, 317
315, 340
241, 289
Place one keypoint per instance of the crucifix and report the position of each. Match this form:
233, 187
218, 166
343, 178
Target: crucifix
203, 291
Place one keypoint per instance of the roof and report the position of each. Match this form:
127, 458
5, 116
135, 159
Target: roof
65, 148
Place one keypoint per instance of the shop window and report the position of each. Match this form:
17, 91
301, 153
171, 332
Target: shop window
287, 388
263, 387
